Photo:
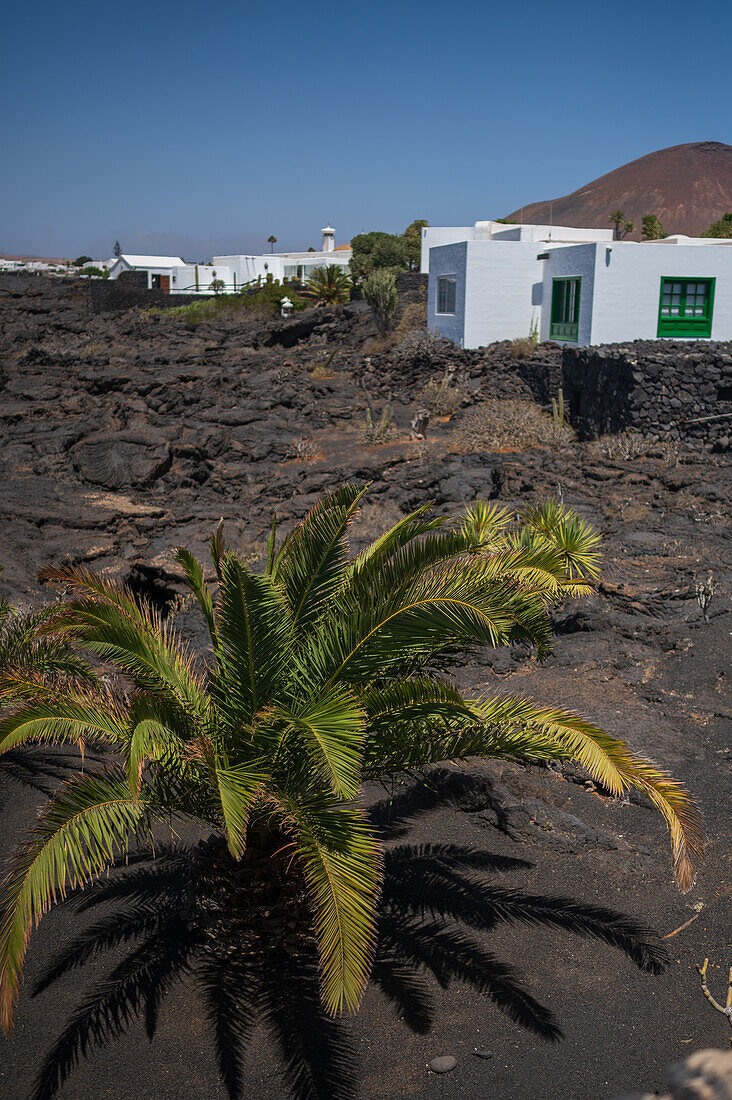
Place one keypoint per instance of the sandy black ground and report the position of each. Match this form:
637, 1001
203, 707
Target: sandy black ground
114, 455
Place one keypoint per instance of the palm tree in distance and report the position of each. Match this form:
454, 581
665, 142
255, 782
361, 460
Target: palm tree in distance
323, 671
271, 241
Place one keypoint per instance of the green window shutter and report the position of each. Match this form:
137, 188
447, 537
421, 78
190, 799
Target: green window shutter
685, 307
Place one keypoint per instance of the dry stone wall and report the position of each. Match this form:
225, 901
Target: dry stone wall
664, 389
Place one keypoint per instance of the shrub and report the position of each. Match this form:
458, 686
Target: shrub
506, 425
523, 347
720, 228
380, 291
376, 251
442, 398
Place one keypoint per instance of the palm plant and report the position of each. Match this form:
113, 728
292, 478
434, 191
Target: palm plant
30, 661
327, 286
323, 671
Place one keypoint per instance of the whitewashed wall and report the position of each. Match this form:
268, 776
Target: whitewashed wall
567, 262
433, 236
498, 291
628, 287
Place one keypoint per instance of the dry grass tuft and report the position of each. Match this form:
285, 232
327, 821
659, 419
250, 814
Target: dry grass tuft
521, 348
506, 424
442, 398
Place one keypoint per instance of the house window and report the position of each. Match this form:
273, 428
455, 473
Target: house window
564, 323
446, 294
686, 307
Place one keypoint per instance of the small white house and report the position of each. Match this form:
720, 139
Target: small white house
287, 265
173, 275
594, 291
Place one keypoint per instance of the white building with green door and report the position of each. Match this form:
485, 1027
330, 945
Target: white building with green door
590, 292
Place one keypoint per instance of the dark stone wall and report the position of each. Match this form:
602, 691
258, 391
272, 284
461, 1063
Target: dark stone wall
664, 389
130, 290
411, 287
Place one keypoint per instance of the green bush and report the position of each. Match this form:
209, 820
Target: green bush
373, 251
380, 291
264, 300
720, 228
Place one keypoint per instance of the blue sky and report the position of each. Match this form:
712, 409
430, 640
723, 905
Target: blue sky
201, 128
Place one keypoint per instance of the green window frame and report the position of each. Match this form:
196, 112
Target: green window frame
685, 306
564, 324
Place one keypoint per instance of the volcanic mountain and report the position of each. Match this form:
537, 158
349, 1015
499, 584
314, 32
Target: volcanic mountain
686, 186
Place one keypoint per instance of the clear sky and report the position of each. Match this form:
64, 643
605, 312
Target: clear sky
199, 128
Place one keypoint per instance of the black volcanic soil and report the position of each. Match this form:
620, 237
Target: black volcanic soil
124, 436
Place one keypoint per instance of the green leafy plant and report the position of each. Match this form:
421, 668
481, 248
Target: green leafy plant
322, 671
621, 225
651, 228
412, 236
380, 291
721, 228
327, 286
374, 251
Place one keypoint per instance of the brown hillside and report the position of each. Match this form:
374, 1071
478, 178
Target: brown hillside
687, 186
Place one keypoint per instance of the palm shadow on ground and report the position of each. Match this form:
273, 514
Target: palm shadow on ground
39, 769
185, 914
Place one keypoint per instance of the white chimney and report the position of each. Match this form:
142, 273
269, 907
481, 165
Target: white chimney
328, 239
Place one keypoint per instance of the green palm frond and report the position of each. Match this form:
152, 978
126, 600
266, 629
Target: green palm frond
84, 826
577, 541
149, 650
68, 717
193, 571
313, 559
237, 790
254, 628
150, 739
332, 727
342, 862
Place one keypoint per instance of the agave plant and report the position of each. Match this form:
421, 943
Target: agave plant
327, 286
323, 671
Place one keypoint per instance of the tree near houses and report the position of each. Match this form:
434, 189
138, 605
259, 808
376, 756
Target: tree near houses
721, 228
413, 237
652, 229
322, 671
271, 241
117, 249
327, 286
373, 251
621, 225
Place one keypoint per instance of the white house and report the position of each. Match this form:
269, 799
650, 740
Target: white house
594, 291
435, 235
174, 275
287, 265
